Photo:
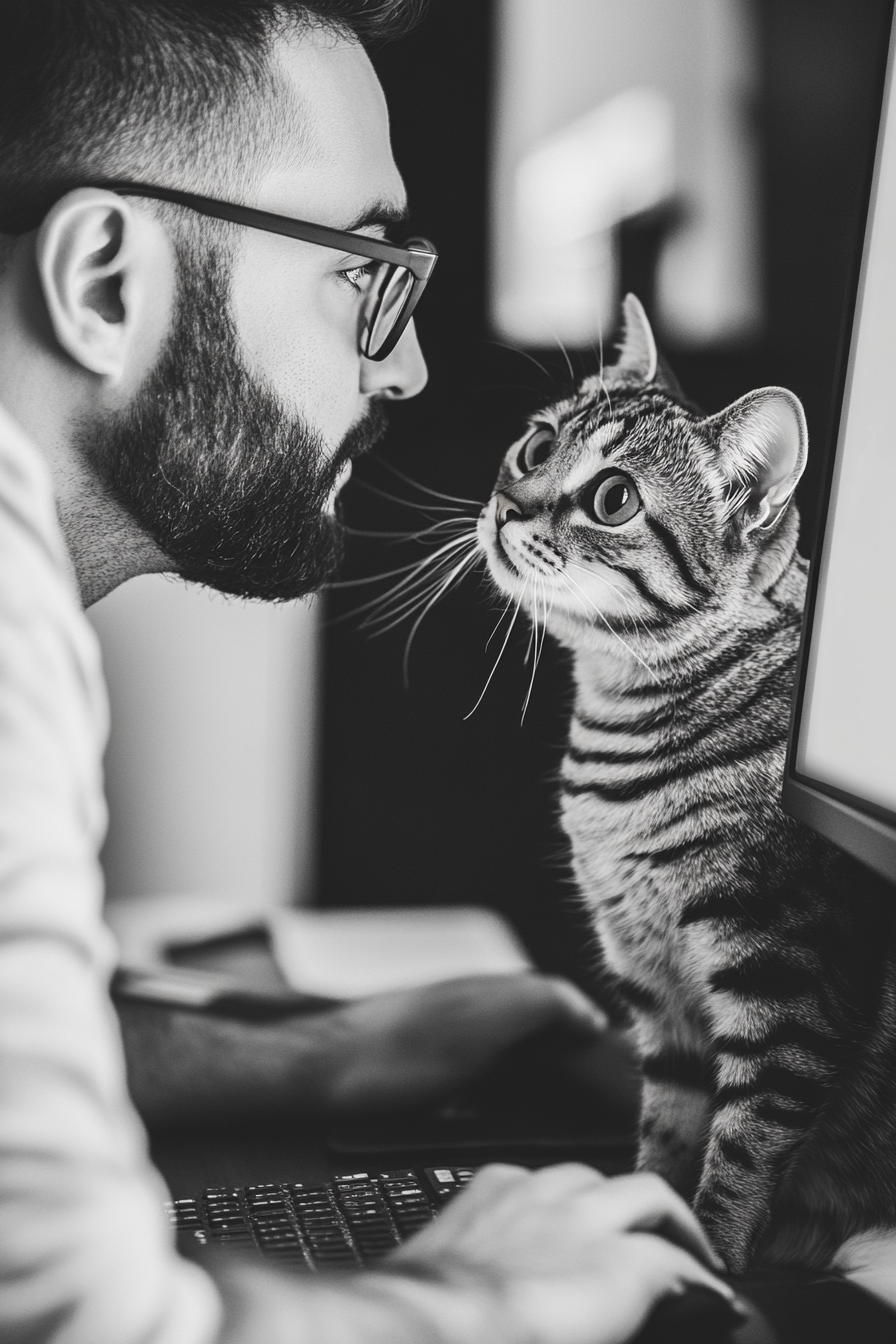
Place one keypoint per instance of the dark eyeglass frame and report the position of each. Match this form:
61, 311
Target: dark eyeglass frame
417, 255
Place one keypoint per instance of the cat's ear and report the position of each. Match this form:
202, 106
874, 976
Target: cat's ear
762, 442
637, 351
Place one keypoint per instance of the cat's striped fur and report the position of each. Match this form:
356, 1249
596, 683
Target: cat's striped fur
757, 962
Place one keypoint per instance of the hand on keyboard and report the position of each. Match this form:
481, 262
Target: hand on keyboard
564, 1255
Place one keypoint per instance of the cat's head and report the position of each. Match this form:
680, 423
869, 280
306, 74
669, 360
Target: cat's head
622, 511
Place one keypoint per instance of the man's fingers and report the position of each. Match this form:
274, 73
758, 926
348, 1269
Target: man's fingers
565, 1179
528, 1001
576, 1009
665, 1268
643, 1202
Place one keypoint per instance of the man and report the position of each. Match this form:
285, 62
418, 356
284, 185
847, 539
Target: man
189, 392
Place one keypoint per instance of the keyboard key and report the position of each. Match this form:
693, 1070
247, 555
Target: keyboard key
271, 1202
334, 1259
283, 1237
355, 1219
184, 1213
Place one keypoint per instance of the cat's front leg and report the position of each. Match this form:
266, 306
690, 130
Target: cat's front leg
770, 1090
672, 1132
677, 1082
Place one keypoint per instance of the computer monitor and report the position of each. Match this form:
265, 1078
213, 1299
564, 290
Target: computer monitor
840, 776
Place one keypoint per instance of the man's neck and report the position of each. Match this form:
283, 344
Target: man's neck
105, 543
107, 547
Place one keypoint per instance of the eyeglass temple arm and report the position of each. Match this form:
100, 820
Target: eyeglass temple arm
420, 260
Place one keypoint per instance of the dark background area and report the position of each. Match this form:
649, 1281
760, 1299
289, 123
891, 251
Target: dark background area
419, 804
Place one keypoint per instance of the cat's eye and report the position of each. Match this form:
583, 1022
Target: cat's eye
536, 449
616, 499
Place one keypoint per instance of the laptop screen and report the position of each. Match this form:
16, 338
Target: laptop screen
842, 763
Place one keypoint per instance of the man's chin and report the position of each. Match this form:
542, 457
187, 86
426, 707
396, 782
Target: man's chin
284, 574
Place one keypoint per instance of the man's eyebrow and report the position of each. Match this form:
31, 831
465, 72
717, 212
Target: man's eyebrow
380, 214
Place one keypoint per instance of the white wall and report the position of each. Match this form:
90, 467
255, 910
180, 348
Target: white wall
211, 764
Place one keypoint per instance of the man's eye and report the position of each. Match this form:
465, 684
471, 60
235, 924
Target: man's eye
536, 449
358, 276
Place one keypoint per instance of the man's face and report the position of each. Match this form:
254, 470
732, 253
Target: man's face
293, 303
233, 451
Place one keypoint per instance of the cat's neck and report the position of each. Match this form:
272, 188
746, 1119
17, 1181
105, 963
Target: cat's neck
618, 669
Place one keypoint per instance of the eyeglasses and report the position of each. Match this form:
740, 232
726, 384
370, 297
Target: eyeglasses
395, 282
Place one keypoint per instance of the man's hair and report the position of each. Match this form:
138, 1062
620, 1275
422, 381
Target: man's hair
94, 89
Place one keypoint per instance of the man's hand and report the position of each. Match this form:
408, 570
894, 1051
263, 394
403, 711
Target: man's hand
395, 1049
563, 1256
566, 1255
418, 1045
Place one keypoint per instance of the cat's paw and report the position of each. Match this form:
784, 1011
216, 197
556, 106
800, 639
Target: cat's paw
678, 1161
730, 1233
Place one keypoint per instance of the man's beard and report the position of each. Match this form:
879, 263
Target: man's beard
229, 484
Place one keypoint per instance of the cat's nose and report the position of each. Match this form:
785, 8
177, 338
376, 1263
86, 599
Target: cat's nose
505, 509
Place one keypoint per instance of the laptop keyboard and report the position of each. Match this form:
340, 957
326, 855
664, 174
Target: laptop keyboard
349, 1222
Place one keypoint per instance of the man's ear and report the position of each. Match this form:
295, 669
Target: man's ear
103, 273
762, 443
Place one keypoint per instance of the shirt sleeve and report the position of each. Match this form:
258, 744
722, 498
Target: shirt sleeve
86, 1256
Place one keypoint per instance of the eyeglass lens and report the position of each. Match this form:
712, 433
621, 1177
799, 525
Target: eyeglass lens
387, 300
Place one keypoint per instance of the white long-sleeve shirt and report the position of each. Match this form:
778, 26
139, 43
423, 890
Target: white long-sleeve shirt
85, 1253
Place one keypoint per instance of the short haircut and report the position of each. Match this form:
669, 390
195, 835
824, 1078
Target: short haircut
141, 88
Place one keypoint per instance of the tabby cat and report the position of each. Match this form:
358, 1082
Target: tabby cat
658, 545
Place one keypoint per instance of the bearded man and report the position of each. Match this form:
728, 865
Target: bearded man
202, 321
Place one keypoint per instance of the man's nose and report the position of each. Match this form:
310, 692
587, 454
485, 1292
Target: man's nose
400, 375
506, 508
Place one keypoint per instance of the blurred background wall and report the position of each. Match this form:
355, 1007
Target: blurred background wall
711, 155
606, 113
211, 764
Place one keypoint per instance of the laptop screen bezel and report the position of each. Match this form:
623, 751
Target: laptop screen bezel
862, 828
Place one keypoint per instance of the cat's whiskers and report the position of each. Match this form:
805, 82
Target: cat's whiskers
628, 648
491, 674
528, 654
415, 588
456, 574
634, 616
499, 622
406, 536
565, 354
524, 354
455, 509
390, 573
419, 578
381, 623
427, 489
600, 370
601, 578
538, 646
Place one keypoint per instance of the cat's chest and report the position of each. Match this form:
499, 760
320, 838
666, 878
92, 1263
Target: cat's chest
637, 910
